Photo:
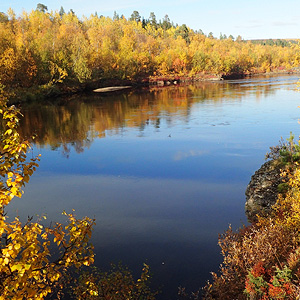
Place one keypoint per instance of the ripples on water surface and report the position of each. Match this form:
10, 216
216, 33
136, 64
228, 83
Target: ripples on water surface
162, 171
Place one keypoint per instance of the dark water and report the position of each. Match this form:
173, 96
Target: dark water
162, 171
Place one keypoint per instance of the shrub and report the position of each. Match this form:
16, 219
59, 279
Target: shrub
27, 268
262, 261
117, 284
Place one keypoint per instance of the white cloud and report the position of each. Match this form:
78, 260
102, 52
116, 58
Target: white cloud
192, 153
279, 23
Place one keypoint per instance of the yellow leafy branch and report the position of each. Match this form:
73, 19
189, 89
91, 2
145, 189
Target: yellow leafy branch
27, 269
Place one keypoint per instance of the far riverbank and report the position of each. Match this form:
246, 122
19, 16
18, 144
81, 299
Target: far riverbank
69, 87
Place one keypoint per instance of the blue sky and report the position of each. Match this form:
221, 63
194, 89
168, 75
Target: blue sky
251, 19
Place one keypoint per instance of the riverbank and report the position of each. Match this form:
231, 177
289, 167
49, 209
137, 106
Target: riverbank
69, 87
261, 261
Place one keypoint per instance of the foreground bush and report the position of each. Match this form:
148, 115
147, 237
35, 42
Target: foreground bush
262, 261
117, 284
27, 268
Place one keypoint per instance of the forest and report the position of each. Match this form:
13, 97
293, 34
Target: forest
40, 50
45, 49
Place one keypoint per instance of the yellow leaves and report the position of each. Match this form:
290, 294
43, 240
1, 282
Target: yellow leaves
5, 261
17, 246
94, 293
44, 235
116, 48
14, 191
118, 283
55, 277
68, 260
17, 267
8, 132
24, 253
8, 66
27, 258
13, 165
287, 209
58, 74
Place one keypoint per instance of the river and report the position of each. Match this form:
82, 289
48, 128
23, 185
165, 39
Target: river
163, 171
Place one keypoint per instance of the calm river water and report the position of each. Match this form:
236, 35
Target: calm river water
163, 171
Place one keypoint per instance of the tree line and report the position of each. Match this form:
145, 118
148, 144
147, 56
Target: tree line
45, 48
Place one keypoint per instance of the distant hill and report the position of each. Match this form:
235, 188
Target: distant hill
277, 42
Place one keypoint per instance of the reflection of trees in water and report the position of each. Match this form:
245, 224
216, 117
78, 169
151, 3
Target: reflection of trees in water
74, 123
58, 126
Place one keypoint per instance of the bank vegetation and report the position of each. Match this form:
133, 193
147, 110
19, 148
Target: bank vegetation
57, 49
262, 260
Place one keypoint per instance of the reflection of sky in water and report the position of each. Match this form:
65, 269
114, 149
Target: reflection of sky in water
163, 194
172, 224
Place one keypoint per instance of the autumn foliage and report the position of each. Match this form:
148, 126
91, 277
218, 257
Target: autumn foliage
27, 268
262, 261
46, 48
41, 48
116, 284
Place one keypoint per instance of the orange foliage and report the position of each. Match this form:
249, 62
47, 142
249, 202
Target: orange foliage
262, 261
101, 47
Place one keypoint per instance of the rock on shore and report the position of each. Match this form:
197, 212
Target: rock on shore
262, 191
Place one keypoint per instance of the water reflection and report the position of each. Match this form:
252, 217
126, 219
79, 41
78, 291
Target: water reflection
162, 171
75, 122
160, 221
